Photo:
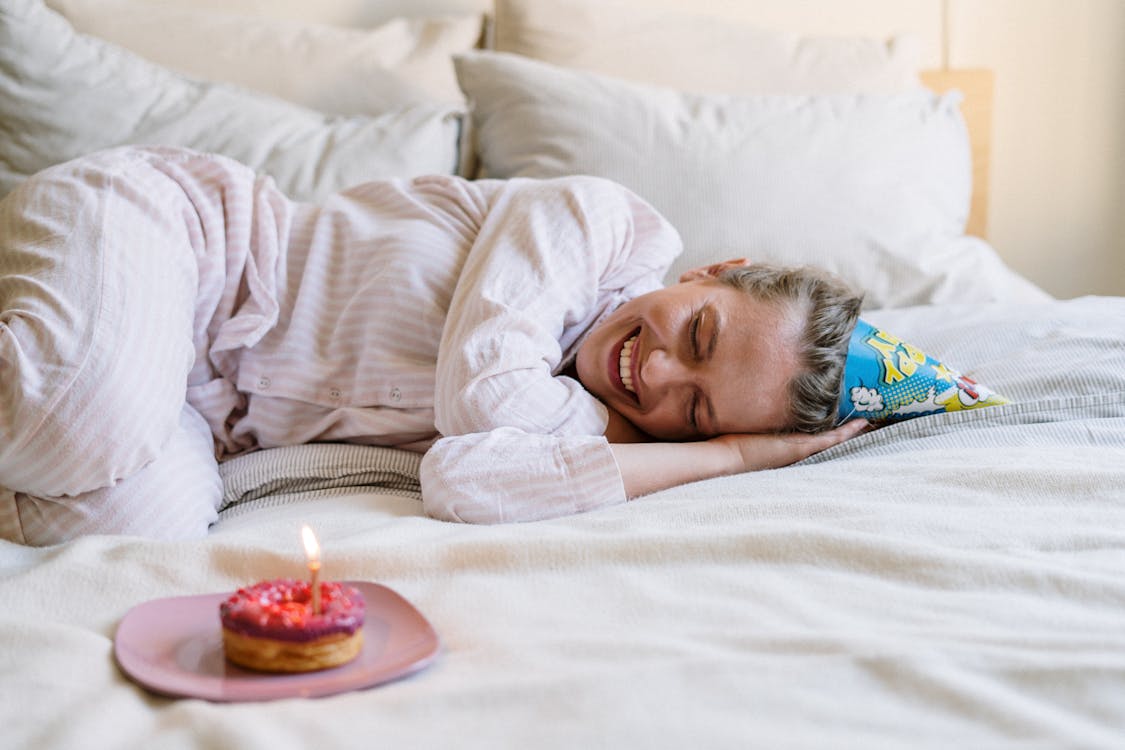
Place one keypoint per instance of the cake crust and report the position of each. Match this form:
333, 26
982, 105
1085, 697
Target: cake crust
270, 655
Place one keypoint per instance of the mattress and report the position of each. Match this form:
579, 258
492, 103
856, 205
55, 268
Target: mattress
951, 581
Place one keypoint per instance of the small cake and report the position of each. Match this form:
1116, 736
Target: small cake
270, 626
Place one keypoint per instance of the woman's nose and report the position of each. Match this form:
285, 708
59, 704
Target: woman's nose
662, 369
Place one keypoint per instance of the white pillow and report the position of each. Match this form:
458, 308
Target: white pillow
875, 188
63, 94
699, 51
330, 69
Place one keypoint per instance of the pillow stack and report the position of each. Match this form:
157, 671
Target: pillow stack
760, 144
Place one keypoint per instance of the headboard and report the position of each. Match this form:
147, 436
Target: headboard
976, 84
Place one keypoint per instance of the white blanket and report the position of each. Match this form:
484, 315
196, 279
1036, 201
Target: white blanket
954, 581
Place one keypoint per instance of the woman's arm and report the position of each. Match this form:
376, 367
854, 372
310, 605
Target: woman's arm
649, 467
509, 475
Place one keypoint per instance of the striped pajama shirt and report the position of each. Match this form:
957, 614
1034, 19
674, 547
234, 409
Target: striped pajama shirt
162, 309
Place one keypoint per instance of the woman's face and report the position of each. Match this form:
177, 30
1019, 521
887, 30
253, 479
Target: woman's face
694, 360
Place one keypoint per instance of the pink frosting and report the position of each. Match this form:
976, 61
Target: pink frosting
282, 609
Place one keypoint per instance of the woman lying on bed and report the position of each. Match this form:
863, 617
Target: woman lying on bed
159, 308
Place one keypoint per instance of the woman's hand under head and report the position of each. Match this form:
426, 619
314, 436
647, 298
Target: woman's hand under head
756, 452
649, 467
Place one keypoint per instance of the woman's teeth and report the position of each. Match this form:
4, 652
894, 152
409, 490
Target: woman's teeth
624, 364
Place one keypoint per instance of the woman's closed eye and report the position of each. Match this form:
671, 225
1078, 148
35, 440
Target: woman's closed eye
703, 333
696, 355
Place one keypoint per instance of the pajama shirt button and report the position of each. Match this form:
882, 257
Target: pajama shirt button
334, 394
263, 384
396, 394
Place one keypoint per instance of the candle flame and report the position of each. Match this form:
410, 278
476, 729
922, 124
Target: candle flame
312, 548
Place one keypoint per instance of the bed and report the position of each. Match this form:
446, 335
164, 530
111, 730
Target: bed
956, 580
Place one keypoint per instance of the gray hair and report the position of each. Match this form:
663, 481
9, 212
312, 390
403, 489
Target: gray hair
830, 308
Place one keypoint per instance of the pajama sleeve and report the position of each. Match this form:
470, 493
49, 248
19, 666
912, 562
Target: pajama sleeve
518, 442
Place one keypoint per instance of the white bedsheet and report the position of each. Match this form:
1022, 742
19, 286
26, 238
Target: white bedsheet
955, 581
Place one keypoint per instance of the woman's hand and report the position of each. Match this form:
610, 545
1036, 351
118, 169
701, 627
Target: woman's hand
648, 467
772, 451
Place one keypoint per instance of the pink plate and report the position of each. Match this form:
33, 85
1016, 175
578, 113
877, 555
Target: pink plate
175, 647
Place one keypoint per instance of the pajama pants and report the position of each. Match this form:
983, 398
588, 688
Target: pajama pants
103, 330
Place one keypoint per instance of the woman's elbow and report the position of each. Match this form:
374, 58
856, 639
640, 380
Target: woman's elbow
446, 498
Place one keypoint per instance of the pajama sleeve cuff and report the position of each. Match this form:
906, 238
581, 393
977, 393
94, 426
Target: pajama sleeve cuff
508, 475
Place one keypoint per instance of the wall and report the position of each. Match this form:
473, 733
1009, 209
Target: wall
1058, 168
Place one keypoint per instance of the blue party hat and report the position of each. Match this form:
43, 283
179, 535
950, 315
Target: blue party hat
886, 378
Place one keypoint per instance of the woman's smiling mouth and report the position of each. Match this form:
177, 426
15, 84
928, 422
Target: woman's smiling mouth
625, 367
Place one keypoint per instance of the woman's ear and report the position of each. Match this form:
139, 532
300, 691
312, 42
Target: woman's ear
713, 270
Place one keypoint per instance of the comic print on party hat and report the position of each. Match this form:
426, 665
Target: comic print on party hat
886, 378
